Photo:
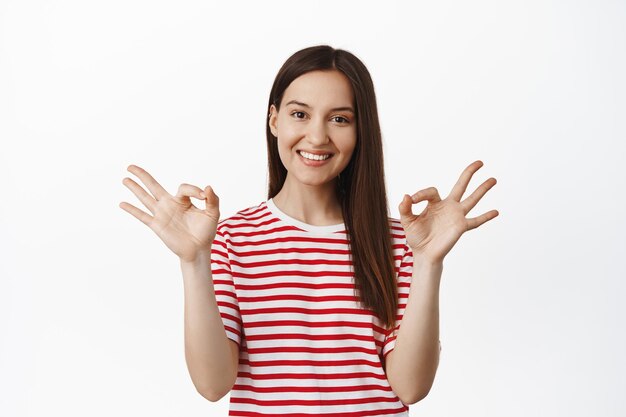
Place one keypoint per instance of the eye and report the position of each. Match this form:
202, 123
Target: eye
343, 118
297, 112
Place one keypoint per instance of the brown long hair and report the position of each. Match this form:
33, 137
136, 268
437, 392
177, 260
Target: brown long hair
360, 186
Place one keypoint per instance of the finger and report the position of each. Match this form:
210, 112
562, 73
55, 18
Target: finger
475, 197
155, 188
477, 221
141, 194
186, 191
431, 194
211, 198
212, 202
461, 185
139, 214
406, 206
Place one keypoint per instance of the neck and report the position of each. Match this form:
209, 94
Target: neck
316, 205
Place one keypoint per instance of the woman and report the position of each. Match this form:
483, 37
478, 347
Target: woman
310, 286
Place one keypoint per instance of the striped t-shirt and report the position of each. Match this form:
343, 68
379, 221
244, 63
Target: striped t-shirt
285, 292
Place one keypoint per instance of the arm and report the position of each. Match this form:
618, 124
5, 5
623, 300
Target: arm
212, 358
412, 364
430, 235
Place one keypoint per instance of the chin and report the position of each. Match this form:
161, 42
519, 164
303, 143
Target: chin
314, 182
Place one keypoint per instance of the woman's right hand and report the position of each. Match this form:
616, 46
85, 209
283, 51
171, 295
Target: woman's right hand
185, 229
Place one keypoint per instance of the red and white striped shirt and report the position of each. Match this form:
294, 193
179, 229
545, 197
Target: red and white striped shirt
285, 292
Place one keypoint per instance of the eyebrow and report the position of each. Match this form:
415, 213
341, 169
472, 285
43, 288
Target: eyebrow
350, 109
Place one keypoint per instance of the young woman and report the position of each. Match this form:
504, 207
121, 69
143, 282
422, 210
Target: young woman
294, 305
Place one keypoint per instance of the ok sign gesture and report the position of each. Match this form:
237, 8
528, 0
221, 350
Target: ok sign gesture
433, 232
183, 227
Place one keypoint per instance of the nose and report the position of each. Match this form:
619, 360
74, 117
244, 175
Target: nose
317, 133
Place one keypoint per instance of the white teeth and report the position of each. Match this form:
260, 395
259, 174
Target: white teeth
314, 157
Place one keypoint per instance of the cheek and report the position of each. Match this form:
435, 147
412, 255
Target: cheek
285, 151
347, 142
289, 128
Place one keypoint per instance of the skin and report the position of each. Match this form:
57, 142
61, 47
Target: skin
433, 233
411, 366
309, 197
211, 357
185, 229
308, 193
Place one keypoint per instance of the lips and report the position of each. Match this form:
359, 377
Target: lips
314, 162
315, 152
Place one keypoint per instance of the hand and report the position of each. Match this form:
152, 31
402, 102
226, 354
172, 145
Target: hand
184, 228
433, 232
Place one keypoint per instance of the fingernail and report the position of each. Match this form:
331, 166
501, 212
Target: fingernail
202, 195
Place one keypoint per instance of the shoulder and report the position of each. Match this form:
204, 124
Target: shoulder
242, 218
397, 231
395, 225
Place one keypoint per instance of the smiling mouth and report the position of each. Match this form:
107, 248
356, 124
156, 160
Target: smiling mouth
314, 157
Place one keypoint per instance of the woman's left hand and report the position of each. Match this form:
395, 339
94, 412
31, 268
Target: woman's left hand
433, 232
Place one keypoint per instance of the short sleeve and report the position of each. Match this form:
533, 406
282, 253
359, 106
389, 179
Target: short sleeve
404, 277
224, 286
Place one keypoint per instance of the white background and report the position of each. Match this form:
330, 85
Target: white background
91, 301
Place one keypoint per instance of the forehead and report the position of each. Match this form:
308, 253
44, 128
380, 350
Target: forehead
320, 89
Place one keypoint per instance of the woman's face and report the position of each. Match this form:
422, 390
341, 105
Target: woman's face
317, 116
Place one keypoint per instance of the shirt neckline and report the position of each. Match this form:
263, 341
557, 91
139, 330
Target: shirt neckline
329, 229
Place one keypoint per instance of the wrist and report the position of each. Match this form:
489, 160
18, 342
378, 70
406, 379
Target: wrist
425, 260
426, 272
201, 258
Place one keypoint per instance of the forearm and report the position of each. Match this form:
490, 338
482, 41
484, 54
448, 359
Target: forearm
207, 350
416, 353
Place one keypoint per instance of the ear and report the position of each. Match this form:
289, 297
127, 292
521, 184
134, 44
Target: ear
273, 120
